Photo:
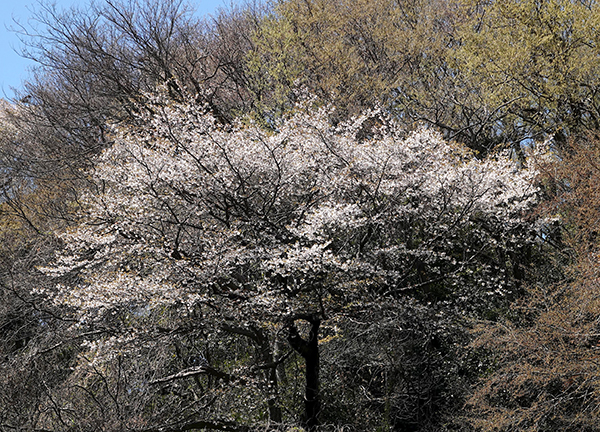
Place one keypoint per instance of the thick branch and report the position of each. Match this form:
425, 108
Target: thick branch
202, 425
309, 350
275, 363
202, 370
251, 334
303, 347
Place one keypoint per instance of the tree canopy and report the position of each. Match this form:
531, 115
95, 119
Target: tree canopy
257, 231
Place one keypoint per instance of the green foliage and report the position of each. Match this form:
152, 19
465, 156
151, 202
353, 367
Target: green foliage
536, 62
485, 73
354, 54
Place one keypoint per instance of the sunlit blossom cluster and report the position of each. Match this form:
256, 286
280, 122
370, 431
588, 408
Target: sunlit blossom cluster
186, 208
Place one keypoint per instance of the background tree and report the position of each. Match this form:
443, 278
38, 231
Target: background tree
94, 66
36, 346
356, 55
545, 373
485, 73
537, 60
401, 55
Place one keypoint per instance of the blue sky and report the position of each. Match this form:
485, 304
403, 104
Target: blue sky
13, 68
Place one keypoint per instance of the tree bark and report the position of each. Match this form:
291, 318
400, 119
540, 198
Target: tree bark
309, 350
269, 365
275, 414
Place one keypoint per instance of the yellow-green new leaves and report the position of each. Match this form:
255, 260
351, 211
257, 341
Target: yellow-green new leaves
401, 55
538, 60
484, 73
351, 53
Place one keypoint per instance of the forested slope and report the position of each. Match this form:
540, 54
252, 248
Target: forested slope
319, 215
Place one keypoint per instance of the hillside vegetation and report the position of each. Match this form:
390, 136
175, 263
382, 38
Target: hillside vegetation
318, 215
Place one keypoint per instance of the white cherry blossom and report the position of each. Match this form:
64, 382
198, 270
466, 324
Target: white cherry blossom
302, 222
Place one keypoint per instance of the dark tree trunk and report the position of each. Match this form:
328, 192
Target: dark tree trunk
269, 365
309, 350
275, 414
